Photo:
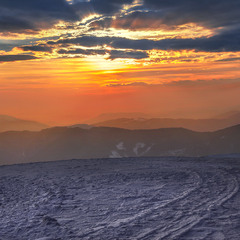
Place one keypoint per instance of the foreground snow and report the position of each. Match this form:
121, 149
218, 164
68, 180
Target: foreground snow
138, 198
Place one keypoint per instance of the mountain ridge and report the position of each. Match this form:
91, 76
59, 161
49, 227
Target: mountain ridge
9, 123
62, 143
201, 125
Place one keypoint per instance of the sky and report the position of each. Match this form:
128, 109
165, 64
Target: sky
65, 61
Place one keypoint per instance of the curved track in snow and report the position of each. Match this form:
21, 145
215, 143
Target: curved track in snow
138, 198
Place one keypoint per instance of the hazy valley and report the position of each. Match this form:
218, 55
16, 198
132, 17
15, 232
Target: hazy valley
8, 123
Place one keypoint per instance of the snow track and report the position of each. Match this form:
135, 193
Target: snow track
137, 198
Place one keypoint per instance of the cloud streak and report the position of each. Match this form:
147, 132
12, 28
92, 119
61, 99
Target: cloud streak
223, 42
180, 83
13, 58
112, 54
37, 48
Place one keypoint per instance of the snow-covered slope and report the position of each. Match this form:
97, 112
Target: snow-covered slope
137, 198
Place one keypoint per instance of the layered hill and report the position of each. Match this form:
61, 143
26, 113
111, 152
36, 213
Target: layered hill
8, 123
76, 143
200, 125
111, 116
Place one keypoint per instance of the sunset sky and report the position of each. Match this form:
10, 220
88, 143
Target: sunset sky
63, 62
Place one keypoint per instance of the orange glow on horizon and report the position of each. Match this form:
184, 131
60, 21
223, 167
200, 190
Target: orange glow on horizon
64, 91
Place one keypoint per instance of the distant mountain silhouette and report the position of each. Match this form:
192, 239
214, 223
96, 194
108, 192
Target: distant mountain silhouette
201, 125
229, 115
101, 142
8, 123
83, 126
111, 116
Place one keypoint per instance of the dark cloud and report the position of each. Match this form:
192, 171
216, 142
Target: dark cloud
116, 42
155, 14
13, 58
113, 54
223, 42
83, 51
211, 13
29, 15
52, 6
15, 24
37, 48
101, 6
7, 44
87, 41
33, 15
229, 59
142, 44
103, 23
133, 21
109, 6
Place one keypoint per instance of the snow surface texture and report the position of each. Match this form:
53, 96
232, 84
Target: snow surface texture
134, 198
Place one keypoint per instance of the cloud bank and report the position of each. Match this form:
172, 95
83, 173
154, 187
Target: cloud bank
95, 24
